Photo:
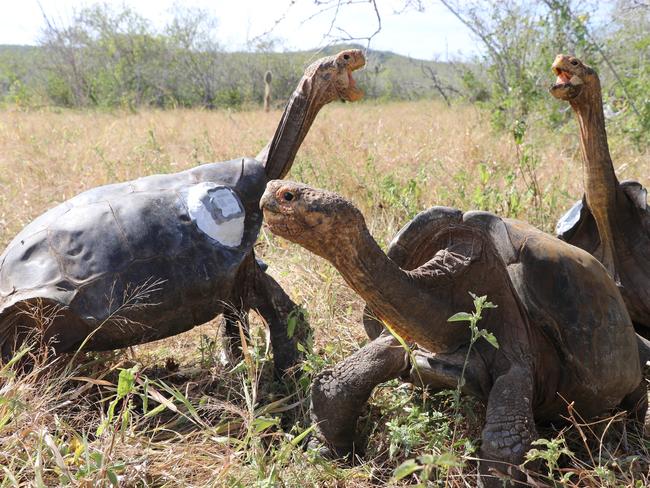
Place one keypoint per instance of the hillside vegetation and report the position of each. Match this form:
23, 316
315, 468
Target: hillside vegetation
118, 69
108, 58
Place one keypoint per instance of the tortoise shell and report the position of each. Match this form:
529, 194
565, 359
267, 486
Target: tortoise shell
140, 260
589, 326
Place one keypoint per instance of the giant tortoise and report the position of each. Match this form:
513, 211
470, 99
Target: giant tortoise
612, 221
133, 262
563, 331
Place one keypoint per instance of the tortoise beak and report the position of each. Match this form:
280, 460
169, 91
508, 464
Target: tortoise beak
268, 202
354, 60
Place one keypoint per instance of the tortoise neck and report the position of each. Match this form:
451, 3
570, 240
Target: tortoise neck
299, 114
598, 171
401, 299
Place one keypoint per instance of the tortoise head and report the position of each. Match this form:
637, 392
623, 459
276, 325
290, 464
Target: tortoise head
324, 81
572, 77
318, 220
332, 76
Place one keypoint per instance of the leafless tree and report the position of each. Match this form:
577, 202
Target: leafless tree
442, 88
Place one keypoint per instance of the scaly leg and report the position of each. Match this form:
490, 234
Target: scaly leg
277, 309
509, 426
339, 394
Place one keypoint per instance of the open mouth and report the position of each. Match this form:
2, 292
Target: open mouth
565, 78
352, 92
567, 85
351, 81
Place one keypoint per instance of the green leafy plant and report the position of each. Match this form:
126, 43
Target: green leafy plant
481, 303
406, 432
550, 452
429, 464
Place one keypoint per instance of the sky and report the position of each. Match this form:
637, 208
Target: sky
432, 34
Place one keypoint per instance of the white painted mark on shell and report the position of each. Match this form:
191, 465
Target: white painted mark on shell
227, 201
218, 212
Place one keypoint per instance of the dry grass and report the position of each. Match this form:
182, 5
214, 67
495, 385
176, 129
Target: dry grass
392, 160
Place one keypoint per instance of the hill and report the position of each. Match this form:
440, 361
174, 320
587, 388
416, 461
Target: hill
152, 71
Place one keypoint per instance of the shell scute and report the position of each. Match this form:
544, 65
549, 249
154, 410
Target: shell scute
153, 224
130, 258
88, 242
28, 264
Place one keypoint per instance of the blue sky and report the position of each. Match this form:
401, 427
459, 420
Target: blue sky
425, 35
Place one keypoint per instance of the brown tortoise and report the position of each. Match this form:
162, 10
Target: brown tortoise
612, 221
563, 329
141, 260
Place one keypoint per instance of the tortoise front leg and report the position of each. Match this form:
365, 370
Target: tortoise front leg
509, 426
276, 308
339, 394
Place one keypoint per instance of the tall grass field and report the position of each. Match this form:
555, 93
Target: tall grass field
172, 413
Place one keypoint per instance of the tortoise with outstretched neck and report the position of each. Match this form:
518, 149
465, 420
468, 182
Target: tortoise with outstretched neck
612, 221
563, 331
133, 262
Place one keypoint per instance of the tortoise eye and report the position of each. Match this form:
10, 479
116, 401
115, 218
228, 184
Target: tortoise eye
288, 196
346, 56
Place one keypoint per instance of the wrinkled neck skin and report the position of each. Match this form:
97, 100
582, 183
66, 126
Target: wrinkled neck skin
299, 114
399, 298
598, 171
